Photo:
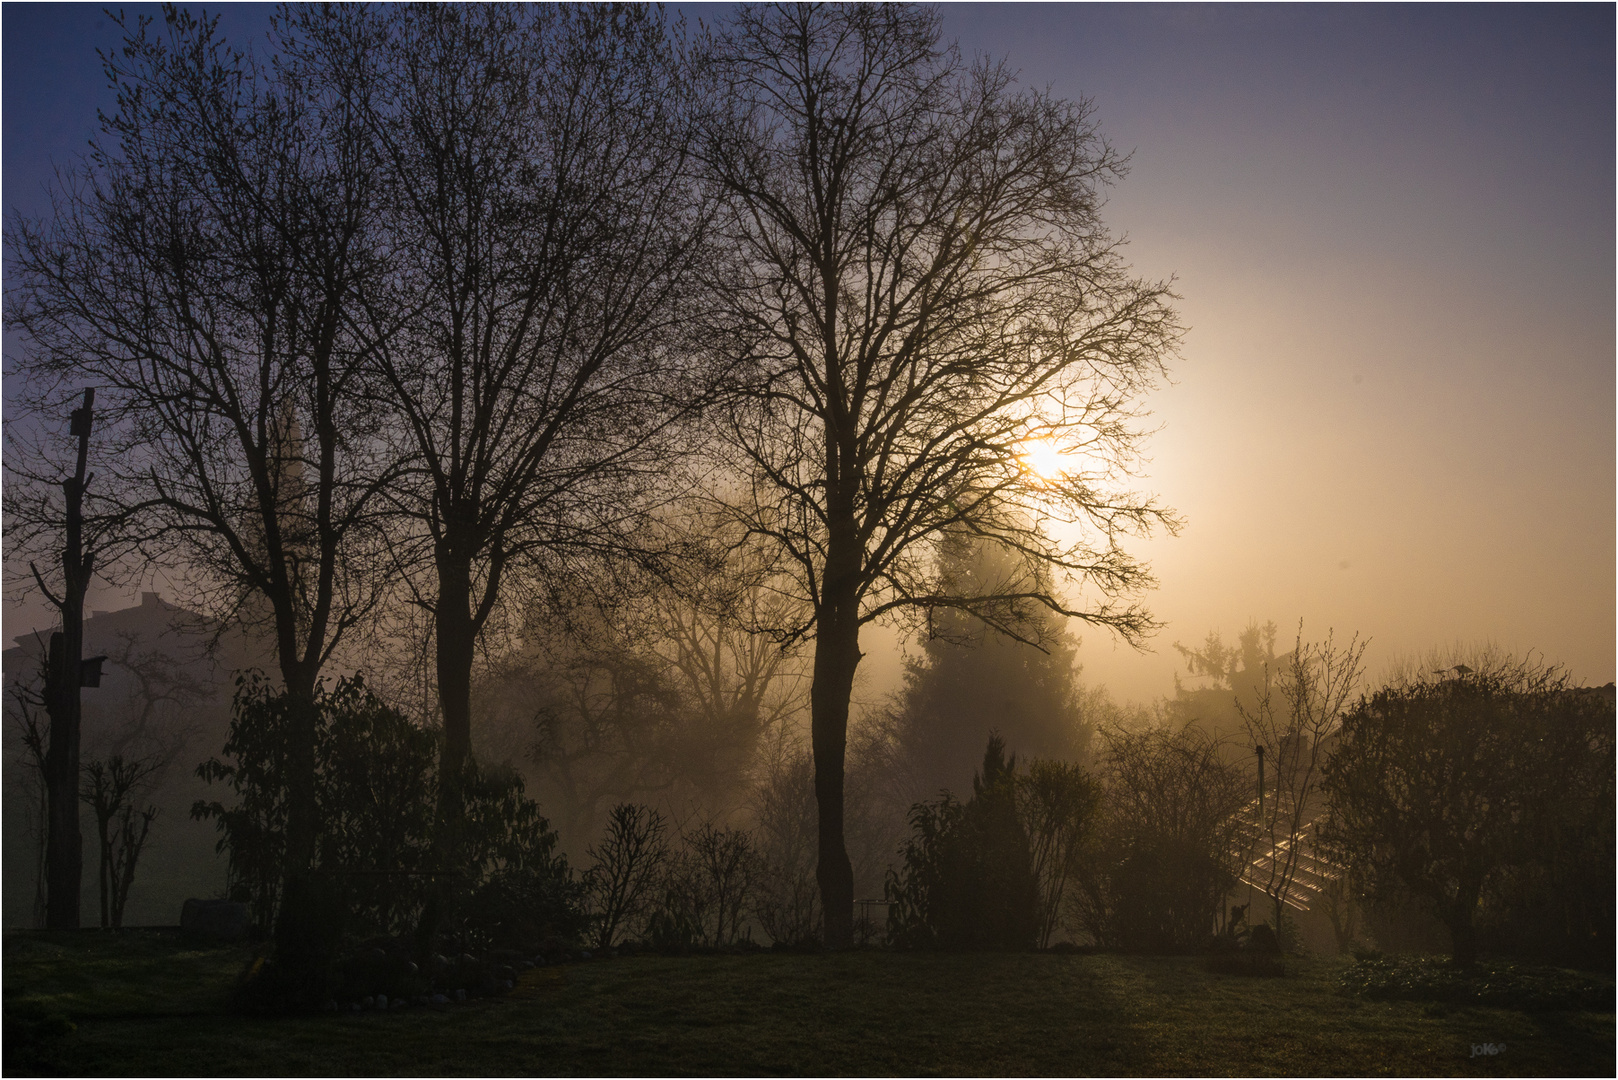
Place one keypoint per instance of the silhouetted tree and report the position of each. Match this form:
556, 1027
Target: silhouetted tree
541, 233
918, 294
1442, 784
1166, 851
665, 698
1295, 717
121, 828
970, 679
968, 880
627, 867
201, 269
1233, 674
49, 518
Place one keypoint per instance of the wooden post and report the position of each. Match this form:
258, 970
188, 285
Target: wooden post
1261, 787
64, 849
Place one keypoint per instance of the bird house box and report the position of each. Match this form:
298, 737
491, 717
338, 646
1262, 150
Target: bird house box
90, 671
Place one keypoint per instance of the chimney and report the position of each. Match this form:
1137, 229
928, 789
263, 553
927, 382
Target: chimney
149, 599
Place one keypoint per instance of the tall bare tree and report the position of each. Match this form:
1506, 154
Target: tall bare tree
930, 330
200, 267
541, 220
1295, 718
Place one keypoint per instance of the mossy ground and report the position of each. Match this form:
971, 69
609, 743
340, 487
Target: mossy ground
151, 1003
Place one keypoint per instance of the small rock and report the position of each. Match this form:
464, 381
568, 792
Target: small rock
439, 999
525, 965
330, 1006
460, 994
505, 984
382, 1001
584, 954
368, 1003
355, 1006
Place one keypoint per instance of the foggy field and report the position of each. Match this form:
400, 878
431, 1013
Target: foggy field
145, 1004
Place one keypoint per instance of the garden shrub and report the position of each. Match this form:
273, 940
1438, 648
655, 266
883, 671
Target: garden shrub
377, 864
1494, 984
626, 870
1164, 855
967, 880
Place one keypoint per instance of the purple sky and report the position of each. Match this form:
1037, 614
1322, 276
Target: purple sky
1393, 229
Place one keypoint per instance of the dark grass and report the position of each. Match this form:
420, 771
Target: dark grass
149, 1003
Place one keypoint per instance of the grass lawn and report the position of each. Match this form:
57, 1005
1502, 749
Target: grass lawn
149, 1003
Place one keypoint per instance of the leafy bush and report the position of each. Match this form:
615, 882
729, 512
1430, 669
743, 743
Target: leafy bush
1058, 804
1487, 794
518, 892
377, 861
968, 881
1164, 855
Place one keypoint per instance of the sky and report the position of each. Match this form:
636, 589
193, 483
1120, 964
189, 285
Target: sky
1392, 231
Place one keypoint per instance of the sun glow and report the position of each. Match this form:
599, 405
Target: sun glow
1043, 459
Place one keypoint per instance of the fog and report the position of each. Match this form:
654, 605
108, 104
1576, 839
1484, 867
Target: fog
1390, 234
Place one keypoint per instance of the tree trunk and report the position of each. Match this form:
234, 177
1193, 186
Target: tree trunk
305, 930
104, 827
455, 635
837, 656
64, 851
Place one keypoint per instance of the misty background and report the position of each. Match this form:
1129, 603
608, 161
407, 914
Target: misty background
1392, 232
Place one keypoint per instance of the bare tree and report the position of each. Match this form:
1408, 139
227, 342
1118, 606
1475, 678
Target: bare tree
75, 541
25, 708
668, 703
1166, 853
626, 869
157, 719
109, 788
1291, 725
200, 267
542, 230
930, 331
1058, 803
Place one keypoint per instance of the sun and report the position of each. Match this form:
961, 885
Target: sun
1043, 459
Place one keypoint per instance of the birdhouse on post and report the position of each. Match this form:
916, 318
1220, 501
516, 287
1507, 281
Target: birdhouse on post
90, 671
